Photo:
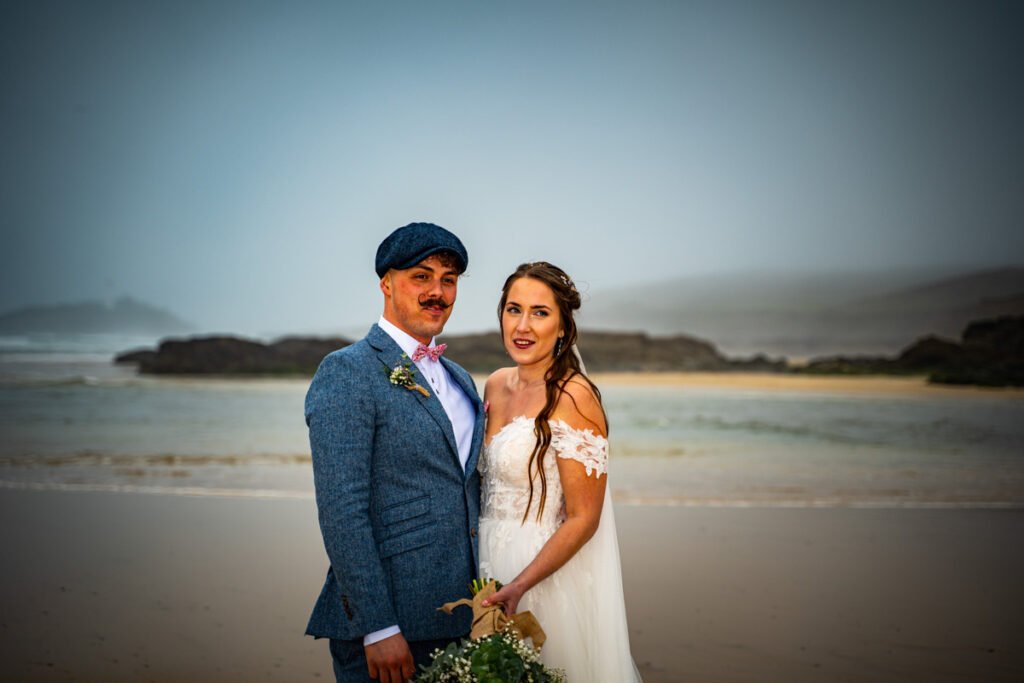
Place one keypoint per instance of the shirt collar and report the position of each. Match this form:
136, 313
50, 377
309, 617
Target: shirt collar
405, 341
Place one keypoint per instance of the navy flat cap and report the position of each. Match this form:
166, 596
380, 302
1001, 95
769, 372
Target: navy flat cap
412, 243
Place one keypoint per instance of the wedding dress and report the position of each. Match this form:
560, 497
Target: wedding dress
580, 606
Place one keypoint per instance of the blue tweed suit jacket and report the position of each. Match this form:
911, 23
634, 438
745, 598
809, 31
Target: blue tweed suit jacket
397, 512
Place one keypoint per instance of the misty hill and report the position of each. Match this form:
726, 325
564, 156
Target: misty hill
812, 314
126, 315
952, 293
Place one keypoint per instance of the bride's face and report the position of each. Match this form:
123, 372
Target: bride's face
530, 322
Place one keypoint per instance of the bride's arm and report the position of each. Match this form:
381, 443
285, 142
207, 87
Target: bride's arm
583, 500
584, 497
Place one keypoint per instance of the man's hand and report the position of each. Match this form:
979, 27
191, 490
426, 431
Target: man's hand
390, 660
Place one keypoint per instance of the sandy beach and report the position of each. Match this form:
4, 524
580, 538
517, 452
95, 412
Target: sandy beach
916, 385
130, 587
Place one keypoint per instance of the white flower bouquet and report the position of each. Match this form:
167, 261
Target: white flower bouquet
496, 650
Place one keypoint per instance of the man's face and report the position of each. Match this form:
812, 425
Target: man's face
419, 299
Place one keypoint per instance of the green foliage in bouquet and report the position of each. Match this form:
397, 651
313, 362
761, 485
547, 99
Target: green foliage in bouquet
497, 658
477, 585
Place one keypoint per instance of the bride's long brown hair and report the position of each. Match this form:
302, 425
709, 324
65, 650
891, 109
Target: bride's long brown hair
564, 367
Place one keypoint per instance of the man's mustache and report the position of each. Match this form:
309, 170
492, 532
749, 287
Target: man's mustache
440, 303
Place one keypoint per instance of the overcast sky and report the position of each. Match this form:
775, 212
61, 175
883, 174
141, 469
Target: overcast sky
238, 163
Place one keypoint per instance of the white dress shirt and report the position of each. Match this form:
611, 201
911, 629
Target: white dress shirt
457, 406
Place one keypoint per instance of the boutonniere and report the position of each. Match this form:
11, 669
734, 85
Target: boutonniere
402, 375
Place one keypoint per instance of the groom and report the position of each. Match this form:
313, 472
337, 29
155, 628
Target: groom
395, 429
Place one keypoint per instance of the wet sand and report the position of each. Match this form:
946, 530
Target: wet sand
132, 587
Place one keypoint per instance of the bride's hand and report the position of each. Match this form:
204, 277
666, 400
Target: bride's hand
508, 597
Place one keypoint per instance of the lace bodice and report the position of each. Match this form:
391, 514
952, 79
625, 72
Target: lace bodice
503, 468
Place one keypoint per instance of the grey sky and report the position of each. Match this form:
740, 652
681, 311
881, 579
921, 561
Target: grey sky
239, 163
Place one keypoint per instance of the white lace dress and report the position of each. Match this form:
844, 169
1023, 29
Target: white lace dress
580, 606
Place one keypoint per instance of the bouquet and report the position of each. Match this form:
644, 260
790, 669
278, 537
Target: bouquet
496, 650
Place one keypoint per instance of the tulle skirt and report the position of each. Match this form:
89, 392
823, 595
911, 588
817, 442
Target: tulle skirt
580, 607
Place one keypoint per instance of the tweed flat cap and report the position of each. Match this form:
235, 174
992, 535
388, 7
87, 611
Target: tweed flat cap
412, 243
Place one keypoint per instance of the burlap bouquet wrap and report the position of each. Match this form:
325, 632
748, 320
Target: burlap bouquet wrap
492, 619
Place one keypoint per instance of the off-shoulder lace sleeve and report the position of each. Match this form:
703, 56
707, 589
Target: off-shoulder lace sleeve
581, 445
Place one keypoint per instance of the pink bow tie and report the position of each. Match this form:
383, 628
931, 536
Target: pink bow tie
432, 352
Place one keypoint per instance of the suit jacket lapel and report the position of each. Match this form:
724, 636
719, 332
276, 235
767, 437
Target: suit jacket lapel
390, 355
478, 407
478, 438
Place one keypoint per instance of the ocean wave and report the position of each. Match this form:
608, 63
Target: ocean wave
115, 377
641, 500
84, 344
620, 498
185, 491
763, 427
68, 381
94, 458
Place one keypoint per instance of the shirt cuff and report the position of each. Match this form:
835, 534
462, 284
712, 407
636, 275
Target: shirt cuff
371, 638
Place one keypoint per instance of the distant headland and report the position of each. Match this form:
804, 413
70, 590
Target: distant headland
990, 353
605, 352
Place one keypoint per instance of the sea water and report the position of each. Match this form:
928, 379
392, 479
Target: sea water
71, 419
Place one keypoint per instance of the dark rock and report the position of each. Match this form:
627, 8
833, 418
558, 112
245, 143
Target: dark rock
233, 356
481, 353
307, 352
139, 356
609, 351
929, 352
992, 354
1002, 337
849, 365
758, 363
601, 351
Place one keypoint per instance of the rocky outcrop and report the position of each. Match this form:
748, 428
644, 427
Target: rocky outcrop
991, 353
481, 353
849, 365
234, 356
615, 352
606, 351
928, 353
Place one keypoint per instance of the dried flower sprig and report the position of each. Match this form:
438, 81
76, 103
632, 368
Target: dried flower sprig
403, 375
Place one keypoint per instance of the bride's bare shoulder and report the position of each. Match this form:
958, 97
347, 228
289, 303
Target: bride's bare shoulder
497, 382
580, 408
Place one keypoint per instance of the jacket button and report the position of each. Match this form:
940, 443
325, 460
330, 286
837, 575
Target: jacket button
472, 532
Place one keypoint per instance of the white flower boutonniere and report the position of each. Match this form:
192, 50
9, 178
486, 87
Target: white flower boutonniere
402, 375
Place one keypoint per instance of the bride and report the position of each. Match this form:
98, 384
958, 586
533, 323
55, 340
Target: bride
547, 530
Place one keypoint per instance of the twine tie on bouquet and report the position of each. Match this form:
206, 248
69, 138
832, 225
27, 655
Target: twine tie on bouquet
492, 619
